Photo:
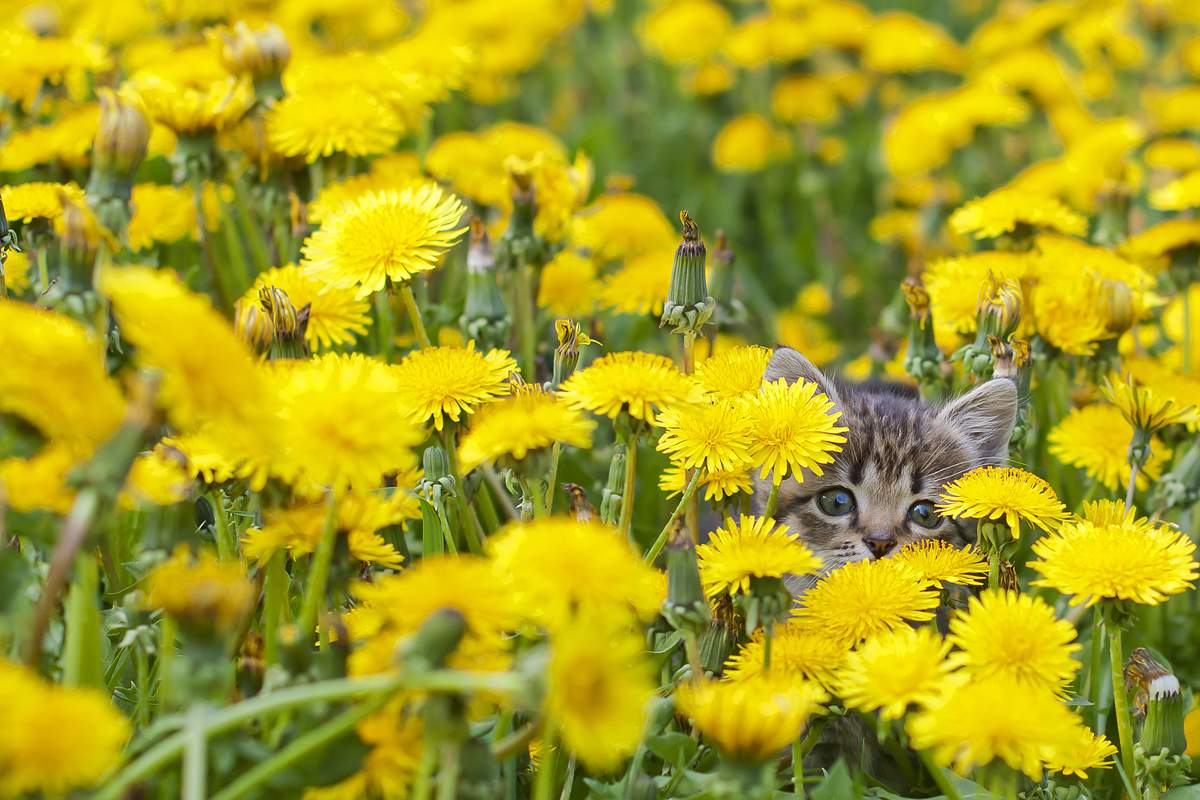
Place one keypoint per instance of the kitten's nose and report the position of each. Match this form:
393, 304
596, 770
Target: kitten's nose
880, 544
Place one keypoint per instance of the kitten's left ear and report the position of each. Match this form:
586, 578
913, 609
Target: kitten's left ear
986, 415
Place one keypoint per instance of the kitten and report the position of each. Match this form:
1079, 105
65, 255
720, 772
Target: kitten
880, 492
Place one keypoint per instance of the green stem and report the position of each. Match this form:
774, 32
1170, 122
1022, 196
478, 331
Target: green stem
526, 324
1132, 485
384, 326
1185, 298
414, 314
543, 786
466, 518
163, 666
448, 770
768, 635
691, 646
569, 781
1096, 665
665, 533
939, 777
235, 253
227, 548
141, 710
43, 268
797, 769
220, 284
555, 454
274, 600
83, 660
423, 783
253, 228
314, 592
772, 500
1116, 657
626, 520
195, 754
493, 480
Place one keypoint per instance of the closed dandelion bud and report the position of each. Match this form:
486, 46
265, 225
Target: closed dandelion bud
571, 338
254, 327
686, 607
1158, 700
767, 602
288, 324
1116, 307
720, 639
261, 54
689, 305
924, 359
120, 144
610, 496
485, 318
999, 308
79, 239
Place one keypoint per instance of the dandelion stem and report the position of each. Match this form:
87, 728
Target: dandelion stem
489, 474
384, 328
1186, 299
555, 454
939, 777
82, 659
661, 541
274, 601
74, 531
1129, 487
448, 771
195, 754
772, 500
569, 781
543, 787
218, 277
526, 311
423, 783
1096, 665
414, 313
43, 269
797, 769
226, 540
626, 523
1116, 657
314, 592
691, 646
768, 635
466, 515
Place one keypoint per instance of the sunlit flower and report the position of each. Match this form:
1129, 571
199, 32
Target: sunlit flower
349, 121
901, 42
753, 547
865, 598
623, 226
889, 672
736, 372
155, 478
36, 200
335, 316
686, 31
390, 767
1126, 561
530, 420
39, 483
641, 285
384, 236
747, 144
192, 110
797, 649
750, 719
335, 196
161, 214
568, 286
633, 382
1161, 240
1144, 408
446, 382
1007, 493
1005, 210
1096, 439
793, 427
940, 562
1087, 751
201, 591
712, 435
717, 485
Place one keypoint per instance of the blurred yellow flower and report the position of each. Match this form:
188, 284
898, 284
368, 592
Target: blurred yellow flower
1007, 493
798, 649
900, 42
717, 485
155, 478
335, 316
940, 562
1007, 211
623, 225
200, 591
358, 516
1087, 751
38, 200
747, 144
641, 285
315, 126
440, 382
751, 719
686, 31
804, 98
568, 286
1096, 439
191, 110
39, 483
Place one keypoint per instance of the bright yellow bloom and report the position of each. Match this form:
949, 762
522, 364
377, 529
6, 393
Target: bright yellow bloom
793, 427
1183, 388
1087, 751
440, 382
752, 547
994, 718
797, 649
804, 98
1004, 210
598, 689
384, 236
632, 382
474, 163
191, 110
686, 31
717, 485
161, 214
155, 478
345, 422
953, 285
568, 286
559, 568
1016, 635
807, 335
335, 196
1096, 439
747, 143
1127, 561
866, 598
641, 285
528, 421
317, 125
889, 672
900, 42
1158, 241
622, 226
1144, 408
752, 719
57, 738
712, 435
27, 202
940, 562
1003, 492
335, 316
1176, 155
39, 483
1179, 194
736, 372
201, 591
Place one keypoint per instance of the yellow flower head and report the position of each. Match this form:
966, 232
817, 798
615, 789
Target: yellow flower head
192, 110
385, 235
1144, 408
316, 125
560, 568
57, 738
1017, 635
797, 649
161, 214
632, 382
686, 31
752, 547
622, 226
889, 672
528, 421
1179, 194
440, 382
953, 285
712, 435
201, 591
717, 485
155, 478
865, 598
1003, 210
940, 562
1096, 439
793, 427
1006, 493
900, 42
747, 143
1127, 561
335, 196
30, 202
750, 720
568, 286
1087, 751
345, 423
39, 483
979, 721
1161, 240
736, 372
599, 687
641, 285
335, 316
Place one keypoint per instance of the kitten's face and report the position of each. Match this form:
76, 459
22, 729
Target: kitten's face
880, 492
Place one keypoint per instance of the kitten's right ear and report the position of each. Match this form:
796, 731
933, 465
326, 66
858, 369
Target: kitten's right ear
788, 364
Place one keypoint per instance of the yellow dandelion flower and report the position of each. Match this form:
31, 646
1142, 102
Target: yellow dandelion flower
1144, 408
1096, 439
334, 196
631, 382
474, 163
1003, 492
1179, 194
1140, 563
900, 42
810, 336
1176, 155
865, 598
58, 738
712, 435
358, 517
1087, 751
30, 202
559, 568
39, 483
804, 98
155, 478
317, 125
763, 38
335, 316
717, 485
940, 562
641, 285
16, 272
793, 428
752, 547
686, 31
200, 590
797, 649
980, 721
345, 422
161, 214
622, 226
1016, 635
953, 285
894, 670
736, 372
191, 110
750, 720
386, 235
568, 286
530, 420
1004, 210
598, 690
1158, 241
747, 143
1183, 388
440, 382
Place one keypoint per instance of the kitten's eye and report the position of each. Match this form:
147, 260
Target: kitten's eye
836, 502
924, 514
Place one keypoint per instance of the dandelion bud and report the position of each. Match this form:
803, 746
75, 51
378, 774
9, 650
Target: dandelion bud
722, 269
686, 607
254, 326
485, 317
261, 54
80, 236
570, 338
1158, 700
689, 305
434, 641
999, 306
611, 495
121, 141
288, 323
924, 359
917, 299
720, 640
1116, 307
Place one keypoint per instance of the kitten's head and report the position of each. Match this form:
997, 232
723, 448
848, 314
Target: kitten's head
880, 492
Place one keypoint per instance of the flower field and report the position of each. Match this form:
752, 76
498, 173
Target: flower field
486, 398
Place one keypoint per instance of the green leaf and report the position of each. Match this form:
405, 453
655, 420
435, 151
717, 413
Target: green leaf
837, 784
673, 747
1183, 793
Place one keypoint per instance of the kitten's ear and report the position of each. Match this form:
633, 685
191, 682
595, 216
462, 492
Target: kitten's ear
986, 415
788, 364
